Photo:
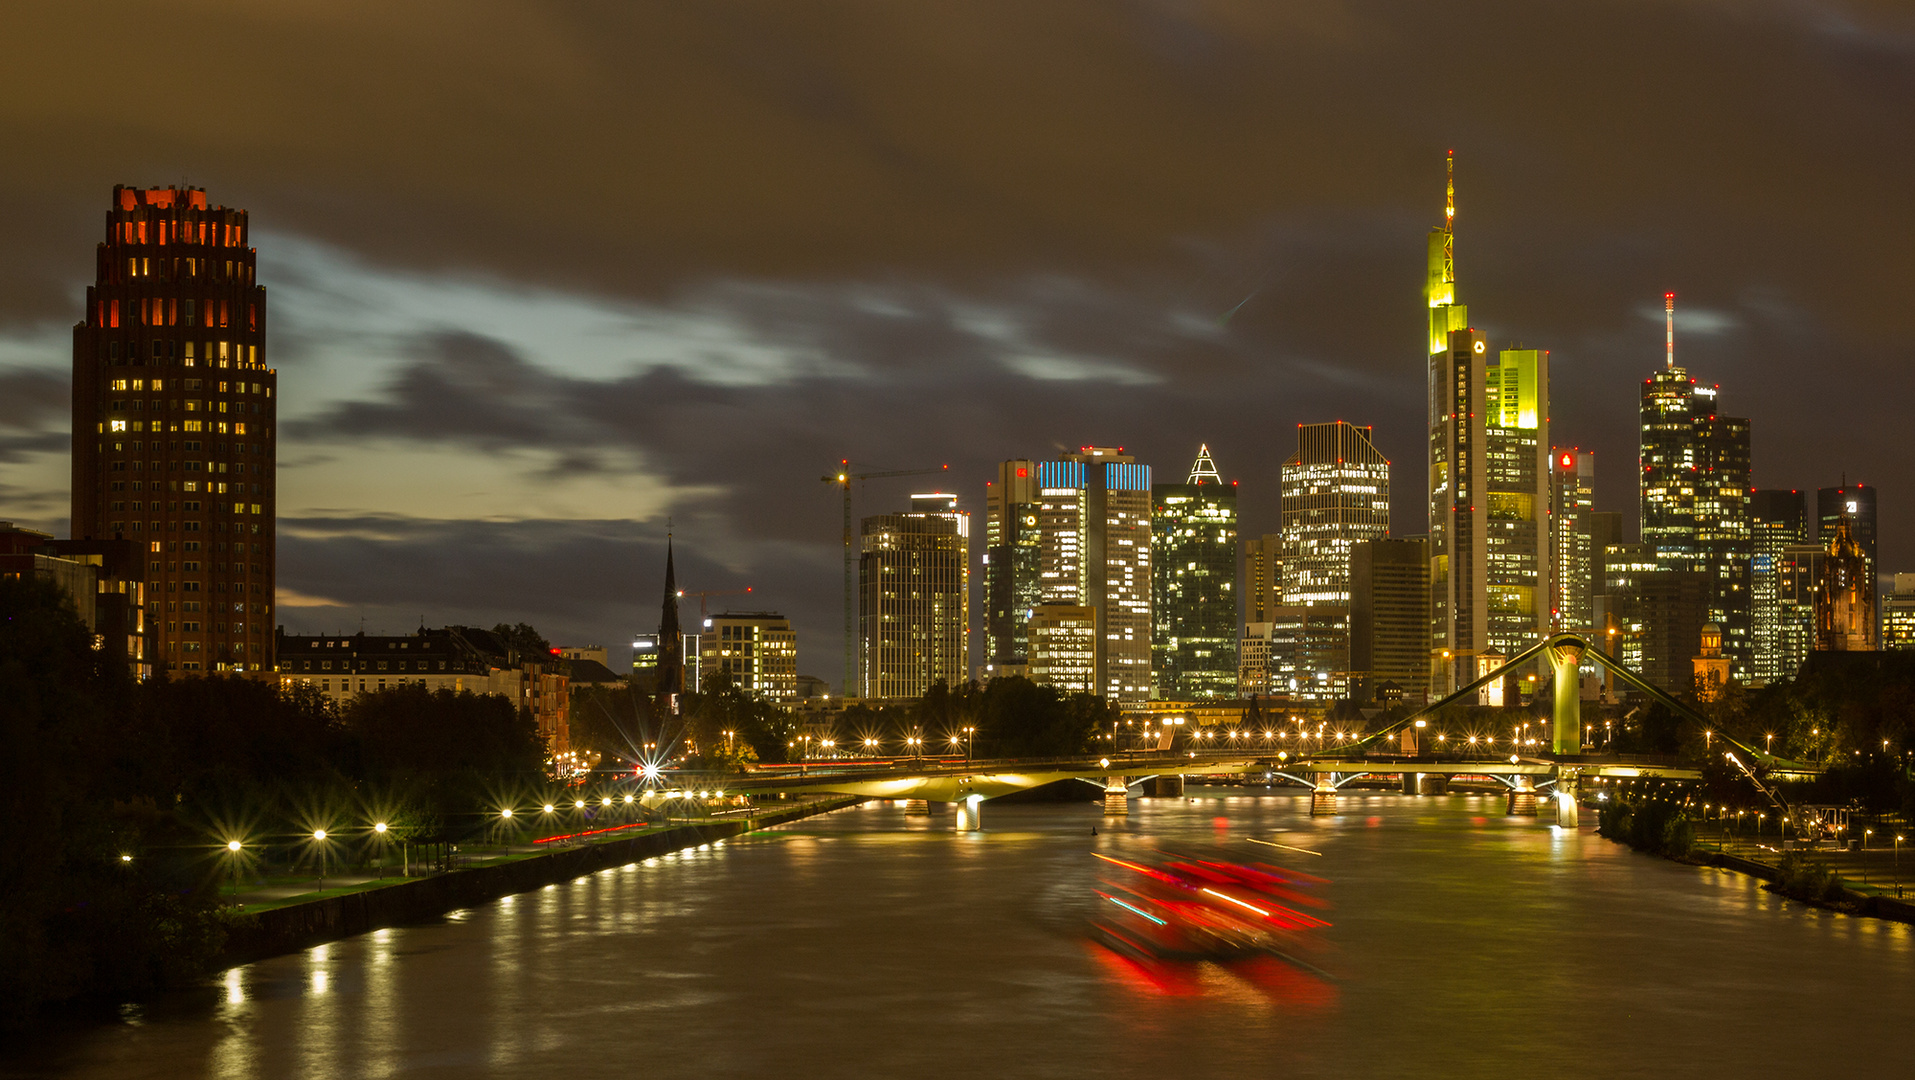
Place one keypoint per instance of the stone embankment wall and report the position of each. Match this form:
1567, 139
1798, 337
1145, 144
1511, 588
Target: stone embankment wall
301, 926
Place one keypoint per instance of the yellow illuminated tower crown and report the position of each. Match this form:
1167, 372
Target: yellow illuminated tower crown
1445, 313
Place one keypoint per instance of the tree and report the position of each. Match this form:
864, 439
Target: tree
527, 642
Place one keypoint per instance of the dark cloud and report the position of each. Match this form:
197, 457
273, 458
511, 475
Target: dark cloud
35, 413
1215, 209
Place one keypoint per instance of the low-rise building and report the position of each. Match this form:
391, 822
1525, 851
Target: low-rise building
456, 658
104, 578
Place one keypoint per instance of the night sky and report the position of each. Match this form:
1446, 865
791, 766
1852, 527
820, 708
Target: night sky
542, 276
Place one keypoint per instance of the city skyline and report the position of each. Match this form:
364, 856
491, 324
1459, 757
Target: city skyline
453, 414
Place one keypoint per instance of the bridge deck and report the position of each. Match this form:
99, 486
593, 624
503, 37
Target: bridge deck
952, 781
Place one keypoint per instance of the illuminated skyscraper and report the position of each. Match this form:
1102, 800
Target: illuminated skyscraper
1336, 494
1011, 551
1694, 471
914, 598
1094, 551
1778, 520
1194, 586
173, 425
1489, 483
1572, 498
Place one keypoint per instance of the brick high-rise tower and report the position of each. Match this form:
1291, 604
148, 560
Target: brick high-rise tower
173, 425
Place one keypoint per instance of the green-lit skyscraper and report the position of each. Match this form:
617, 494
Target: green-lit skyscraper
1194, 585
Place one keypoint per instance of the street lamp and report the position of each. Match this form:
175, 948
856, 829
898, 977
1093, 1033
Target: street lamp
319, 839
232, 856
379, 835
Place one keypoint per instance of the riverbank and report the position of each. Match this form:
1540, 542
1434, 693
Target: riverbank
256, 935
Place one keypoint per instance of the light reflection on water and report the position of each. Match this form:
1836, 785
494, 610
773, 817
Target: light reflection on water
872, 943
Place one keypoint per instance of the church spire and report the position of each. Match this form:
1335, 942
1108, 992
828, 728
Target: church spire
671, 643
1203, 470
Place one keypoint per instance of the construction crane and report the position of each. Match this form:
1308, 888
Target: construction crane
703, 593
843, 478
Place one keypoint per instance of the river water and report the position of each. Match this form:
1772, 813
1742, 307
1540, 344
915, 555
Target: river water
867, 943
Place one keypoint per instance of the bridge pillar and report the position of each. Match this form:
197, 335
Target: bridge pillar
1435, 784
1568, 789
1323, 799
1564, 659
1412, 783
970, 816
1168, 786
1522, 798
1116, 797
917, 808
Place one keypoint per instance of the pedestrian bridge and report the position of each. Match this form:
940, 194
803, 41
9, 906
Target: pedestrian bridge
1395, 750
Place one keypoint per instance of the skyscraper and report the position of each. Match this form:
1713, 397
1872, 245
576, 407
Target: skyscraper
1694, 472
1336, 494
1854, 503
1389, 616
1572, 495
1778, 520
174, 421
1094, 539
1262, 576
1011, 550
1194, 584
1488, 482
914, 597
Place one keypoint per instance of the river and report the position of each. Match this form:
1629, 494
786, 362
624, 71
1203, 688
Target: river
867, 943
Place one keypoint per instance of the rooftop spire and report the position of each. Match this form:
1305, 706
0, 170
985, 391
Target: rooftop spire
1204, 470
671, 643
1449, 218
1669, 310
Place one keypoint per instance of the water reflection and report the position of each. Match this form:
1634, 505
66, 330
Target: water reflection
869, 943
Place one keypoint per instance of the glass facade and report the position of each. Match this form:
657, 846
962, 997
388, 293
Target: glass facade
1194, 587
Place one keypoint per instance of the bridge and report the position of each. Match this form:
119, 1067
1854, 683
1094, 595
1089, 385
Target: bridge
1399, 749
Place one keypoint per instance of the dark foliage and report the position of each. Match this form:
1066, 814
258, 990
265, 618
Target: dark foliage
121, 795
1658, 825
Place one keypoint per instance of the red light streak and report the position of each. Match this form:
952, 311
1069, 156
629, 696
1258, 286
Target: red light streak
593, 832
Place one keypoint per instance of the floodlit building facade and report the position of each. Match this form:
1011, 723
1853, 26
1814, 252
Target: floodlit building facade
174, 425
1898, 614
1094, 524
1855, 505
1194, 587
914, 598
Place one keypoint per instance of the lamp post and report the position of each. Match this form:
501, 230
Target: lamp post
232, 856
319, 841
379, 835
